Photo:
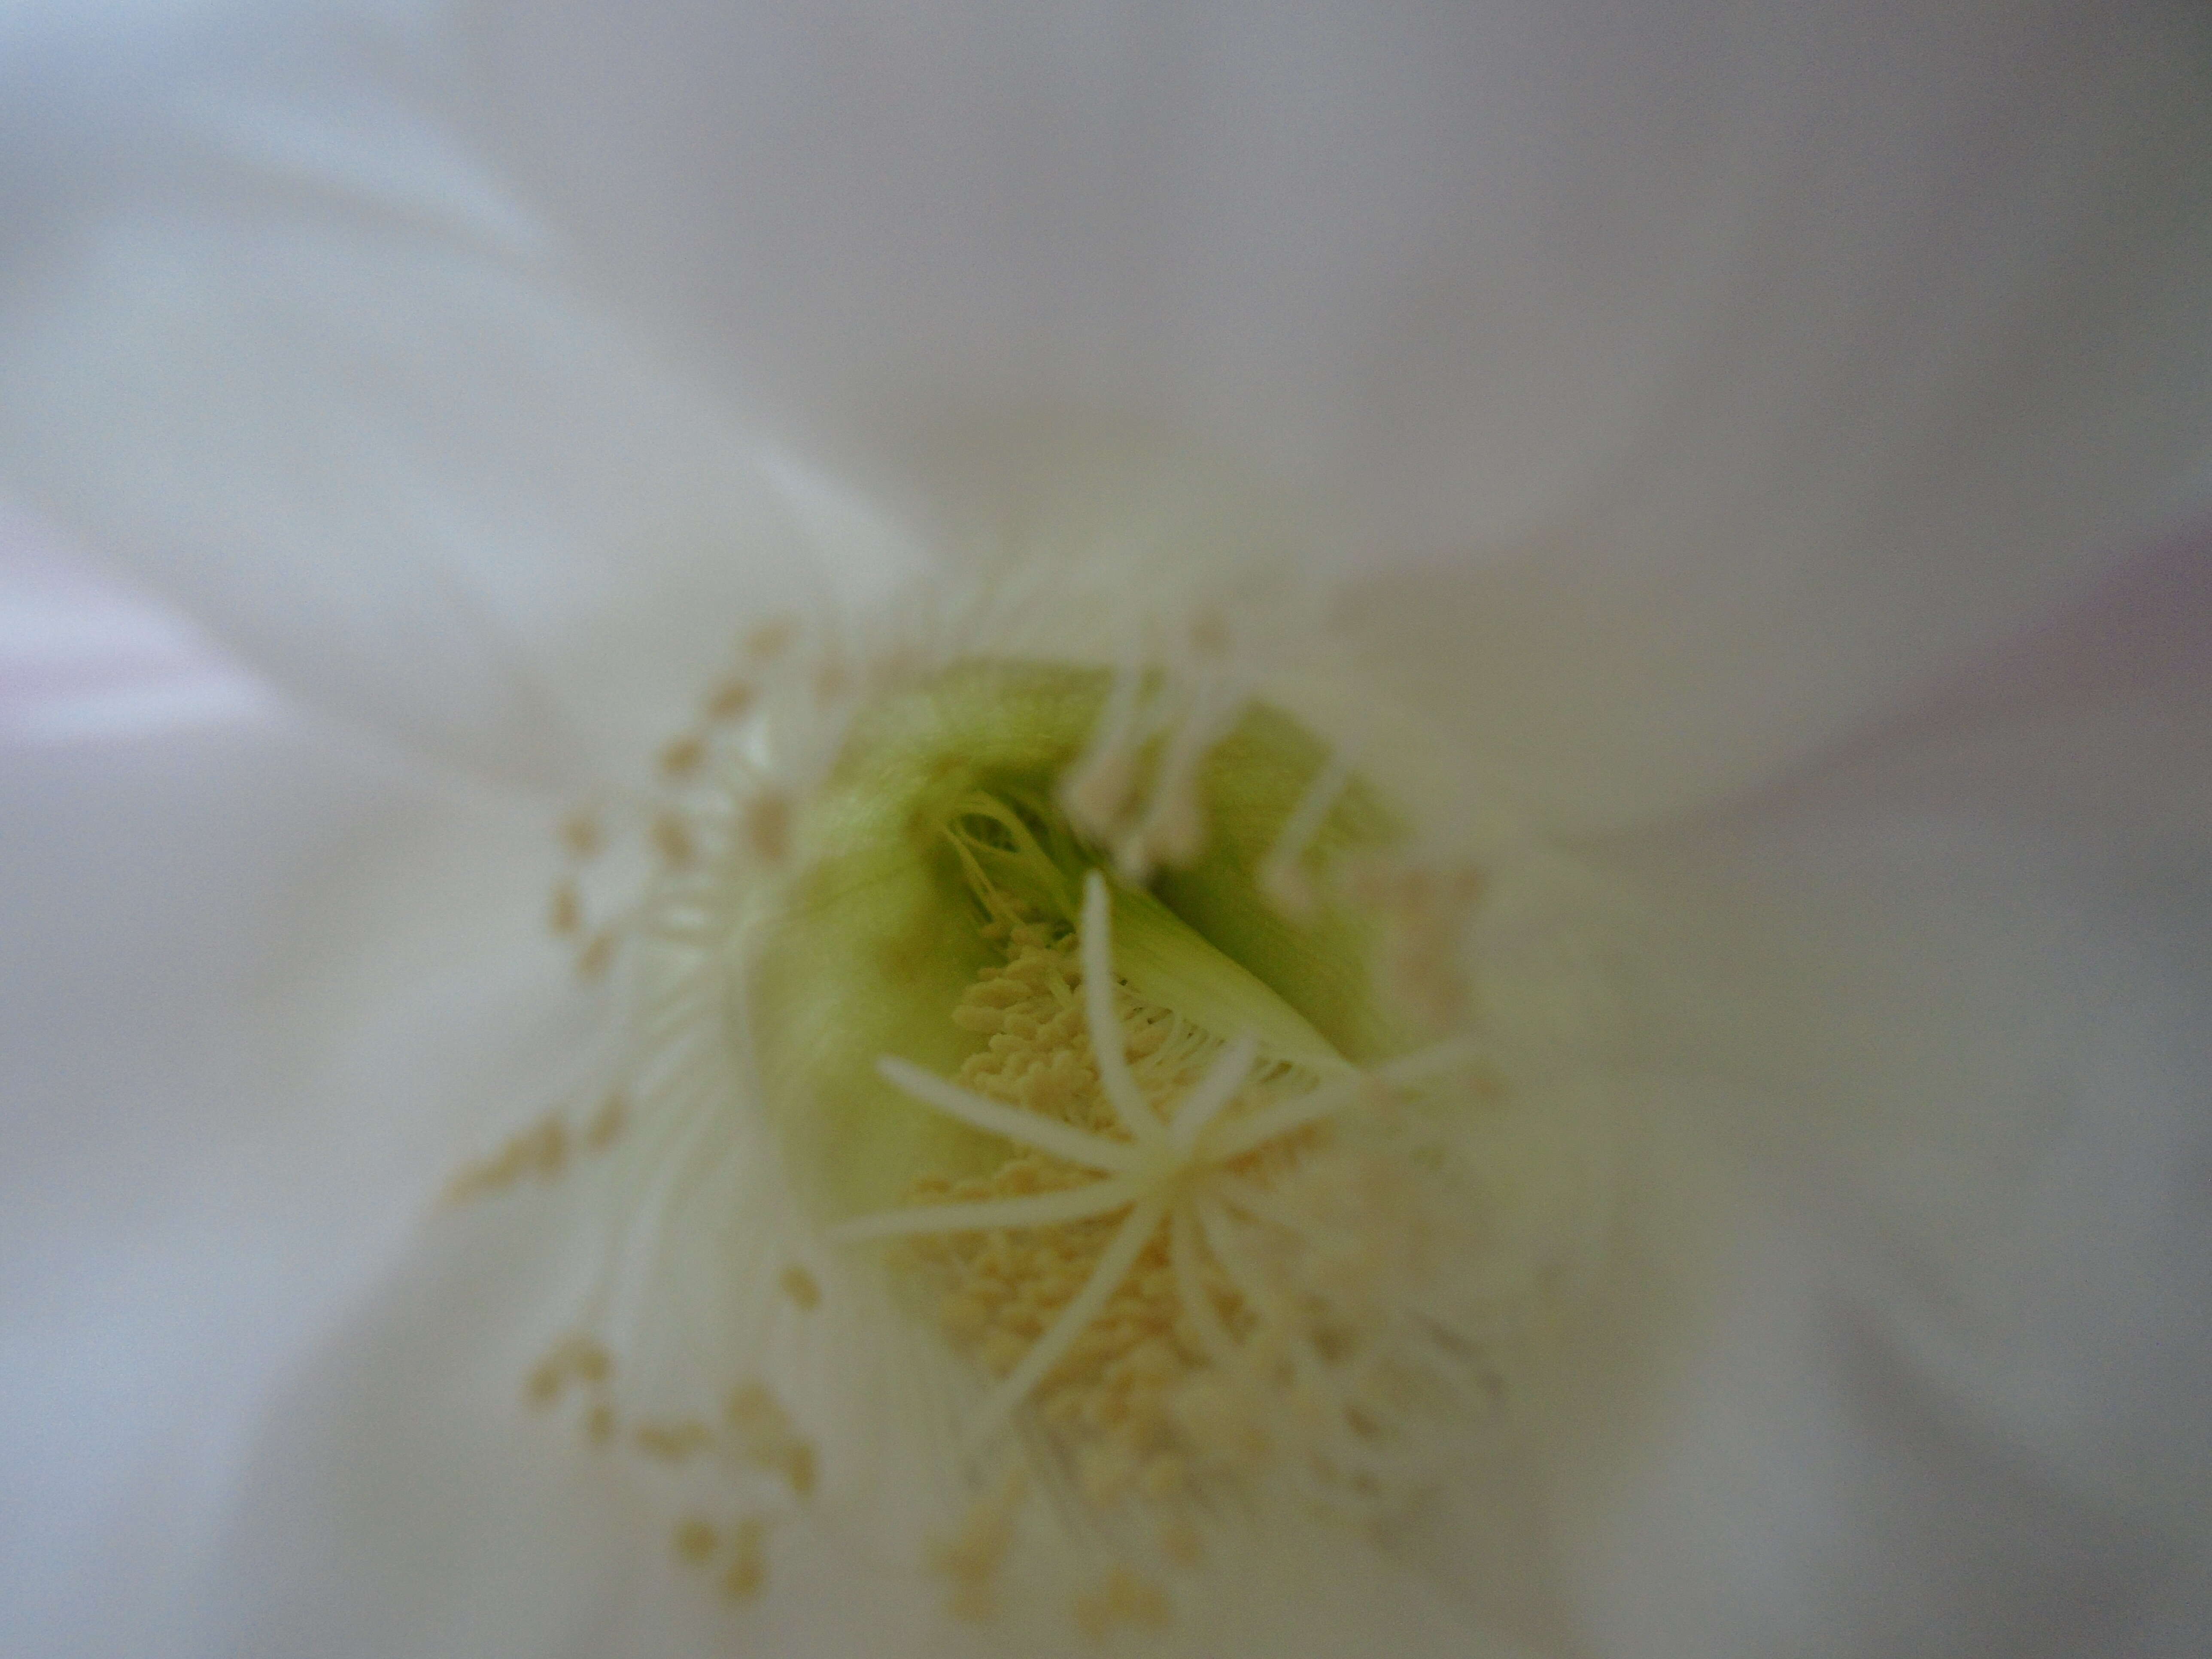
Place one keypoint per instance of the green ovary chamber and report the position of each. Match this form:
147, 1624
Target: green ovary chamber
941, 831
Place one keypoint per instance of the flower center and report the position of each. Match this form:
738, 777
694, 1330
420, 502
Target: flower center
1107, 1031
1103, 1270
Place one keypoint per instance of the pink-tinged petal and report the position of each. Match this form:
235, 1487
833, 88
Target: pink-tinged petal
271, 336
219, 1127
422, 491
83, 658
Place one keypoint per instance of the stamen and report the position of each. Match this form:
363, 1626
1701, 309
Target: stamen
1173, 829
731, 699
1123, 1599
1096, 790
768, 826
683, 755
1283, 873
582, 835
748, 1569
1271, 1123
566, 914
1083, 1203
1122, 1091
596, 957
1063, 1141
1178, 1270
1215, 1091
1197, 1303
1113, 1265
971, 1558
673, 840
771, 640
608, 1122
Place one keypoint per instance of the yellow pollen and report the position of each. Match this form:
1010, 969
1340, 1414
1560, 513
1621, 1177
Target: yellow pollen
801, 1286
1096, 1271
731, 699
597, 956
608, 1122
748, 1569
565, 915
683, 755
582, 835
771, 640
1123, 1599
695, 1542
768, 826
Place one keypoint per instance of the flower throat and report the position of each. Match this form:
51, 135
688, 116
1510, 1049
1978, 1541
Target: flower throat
1103, 1035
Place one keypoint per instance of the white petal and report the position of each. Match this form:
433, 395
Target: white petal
1799, 350
1959, 1401
142, 1301
272, 333
427, 491
257, 985
1817, 1497
1432, 260
423, 1519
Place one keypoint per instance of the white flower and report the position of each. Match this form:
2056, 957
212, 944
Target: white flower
1576, 423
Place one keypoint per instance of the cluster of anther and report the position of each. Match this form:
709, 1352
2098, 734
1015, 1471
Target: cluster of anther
755, 1437
1425, 910
1136, 789
1102, 1274
710, 794
543, 1151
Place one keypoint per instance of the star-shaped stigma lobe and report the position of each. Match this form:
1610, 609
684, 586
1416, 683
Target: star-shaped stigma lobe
1185, 1169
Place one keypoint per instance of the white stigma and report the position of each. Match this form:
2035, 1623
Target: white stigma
1171, 1174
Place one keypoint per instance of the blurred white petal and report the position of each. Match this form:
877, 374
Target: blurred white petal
1960, 1398
419, 489
178, 1232
149, 1298
373, 442
1780, 356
